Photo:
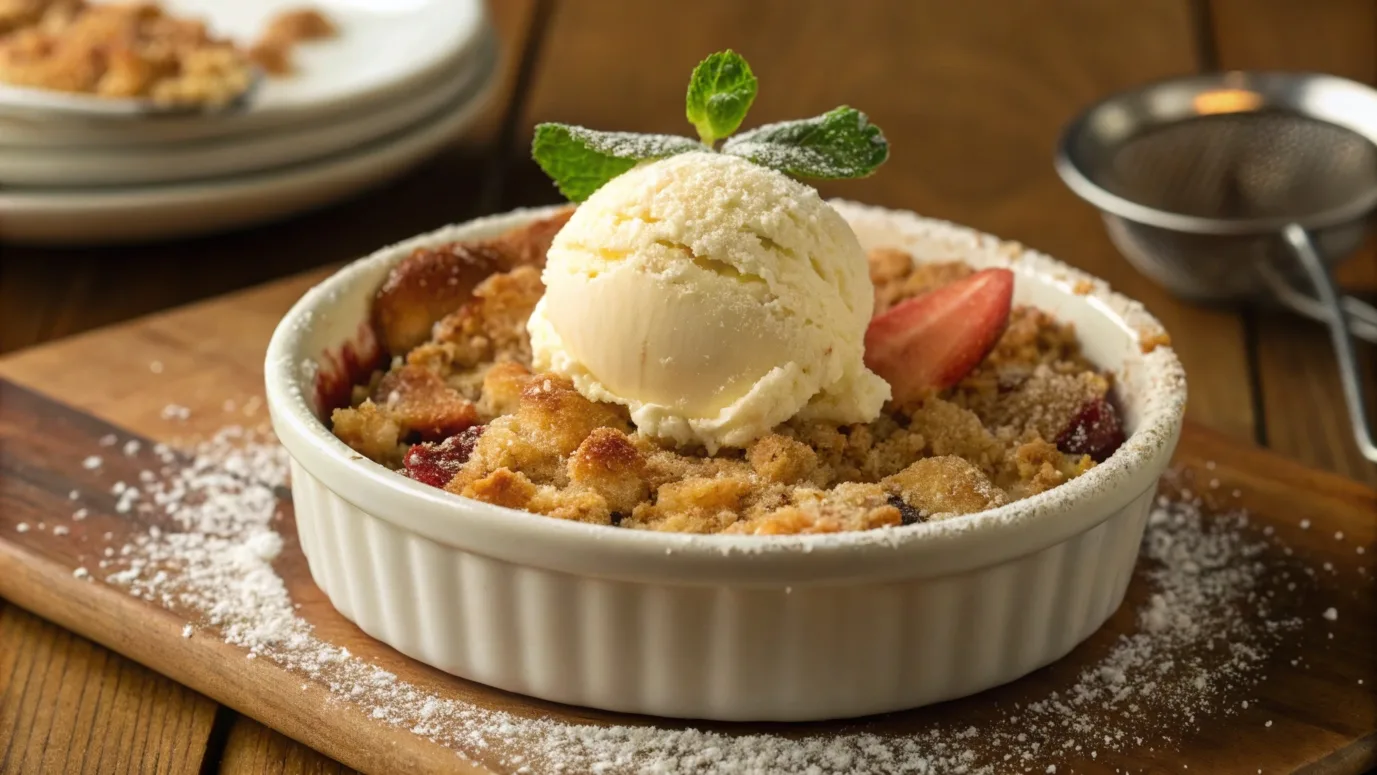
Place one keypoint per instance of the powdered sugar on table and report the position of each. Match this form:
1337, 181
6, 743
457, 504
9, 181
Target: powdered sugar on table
1202, 634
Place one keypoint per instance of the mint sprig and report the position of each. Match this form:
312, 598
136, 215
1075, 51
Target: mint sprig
581, 160
841, 143
720, 92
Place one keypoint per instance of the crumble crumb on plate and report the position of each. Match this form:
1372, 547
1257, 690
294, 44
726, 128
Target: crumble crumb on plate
118, 50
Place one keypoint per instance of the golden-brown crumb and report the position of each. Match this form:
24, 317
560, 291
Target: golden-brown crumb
547, 449
421, 404
571, 503
502, 487
945, 486
433, 282
369, 432
550, 422
950, 430
694, 505
493, 325
502, 386
846, 506
888, 265
782, 460
608, 463
896, 278
424, 287
562, 418
1039, 466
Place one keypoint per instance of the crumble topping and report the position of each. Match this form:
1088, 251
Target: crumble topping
1032, 415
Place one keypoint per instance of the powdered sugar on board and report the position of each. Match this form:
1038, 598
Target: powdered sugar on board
1203, 632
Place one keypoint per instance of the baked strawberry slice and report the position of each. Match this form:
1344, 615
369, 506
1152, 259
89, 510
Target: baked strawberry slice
1095, 431
437, 463
931, 341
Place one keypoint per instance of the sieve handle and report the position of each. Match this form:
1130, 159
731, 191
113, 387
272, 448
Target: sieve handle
1362, 317
1335, 316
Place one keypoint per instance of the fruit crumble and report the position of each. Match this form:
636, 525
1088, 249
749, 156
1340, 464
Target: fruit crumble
992, 402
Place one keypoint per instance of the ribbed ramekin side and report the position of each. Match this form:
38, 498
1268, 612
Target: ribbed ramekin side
714, 651
307, 530
315, 529
816, 652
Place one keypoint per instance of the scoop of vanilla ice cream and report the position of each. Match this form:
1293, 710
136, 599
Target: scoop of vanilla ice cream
714, 298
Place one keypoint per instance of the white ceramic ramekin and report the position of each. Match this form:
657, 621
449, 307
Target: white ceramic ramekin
729, 627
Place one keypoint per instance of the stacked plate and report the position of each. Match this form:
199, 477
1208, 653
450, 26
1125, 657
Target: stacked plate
401, 80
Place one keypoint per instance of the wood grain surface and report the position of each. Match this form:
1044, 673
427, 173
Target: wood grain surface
67, 705
253, 749
1323, 717
971, 94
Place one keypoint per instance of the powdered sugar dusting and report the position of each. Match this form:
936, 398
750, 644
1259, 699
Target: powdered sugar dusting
632, 145
792, 147
1201, 636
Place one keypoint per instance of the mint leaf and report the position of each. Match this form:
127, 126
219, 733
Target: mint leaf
581, 160
841, 143
720, 92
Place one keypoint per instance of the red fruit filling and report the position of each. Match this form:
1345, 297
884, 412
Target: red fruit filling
931, 341
1095, 431
437, 463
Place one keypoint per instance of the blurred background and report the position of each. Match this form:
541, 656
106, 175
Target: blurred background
972, 96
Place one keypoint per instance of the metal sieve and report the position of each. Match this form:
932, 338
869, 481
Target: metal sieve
1240, 186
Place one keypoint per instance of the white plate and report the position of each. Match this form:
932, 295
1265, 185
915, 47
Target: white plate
384, 46
219, 157
103, 216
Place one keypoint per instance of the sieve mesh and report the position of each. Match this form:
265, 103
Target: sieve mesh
1242, 165
1264, 201
1234, 167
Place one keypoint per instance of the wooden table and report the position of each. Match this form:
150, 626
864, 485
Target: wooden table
971, 95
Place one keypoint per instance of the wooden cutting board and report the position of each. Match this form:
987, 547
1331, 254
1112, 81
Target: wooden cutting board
57, 401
